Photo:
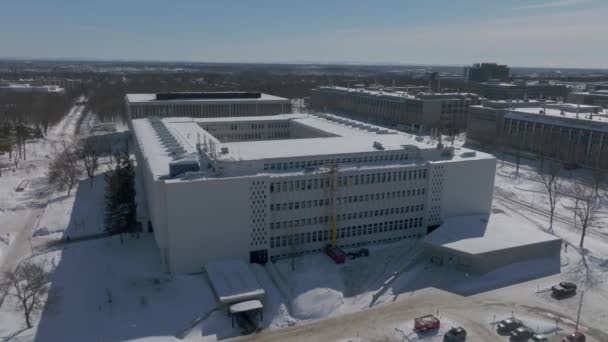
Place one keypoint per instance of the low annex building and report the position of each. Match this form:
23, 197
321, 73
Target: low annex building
483, 243
267, 187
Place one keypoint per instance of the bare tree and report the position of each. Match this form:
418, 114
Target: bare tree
552, 181
89, 155
28, 284
64, 169
586, 208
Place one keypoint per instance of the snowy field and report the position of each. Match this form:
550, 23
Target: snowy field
115, 292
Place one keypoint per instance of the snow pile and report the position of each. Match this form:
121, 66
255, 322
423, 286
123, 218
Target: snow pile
316, 288
316, 303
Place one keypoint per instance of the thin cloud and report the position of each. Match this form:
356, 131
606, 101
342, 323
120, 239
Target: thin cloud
551, 4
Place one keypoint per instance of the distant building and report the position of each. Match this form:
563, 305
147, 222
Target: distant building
269, 187
205, 104
8, 87
571, 133
484, 72
593, 98
519, 90
402, 110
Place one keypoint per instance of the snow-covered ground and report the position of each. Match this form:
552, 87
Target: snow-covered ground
113, 291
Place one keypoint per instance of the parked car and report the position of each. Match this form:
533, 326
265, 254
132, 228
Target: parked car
522, 333
509, 324
426, 323
539, 338
575, 337
563, 289
363, 252
455, 335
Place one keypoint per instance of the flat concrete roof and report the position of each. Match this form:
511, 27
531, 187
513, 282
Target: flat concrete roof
478, 234
233, 281
349, 137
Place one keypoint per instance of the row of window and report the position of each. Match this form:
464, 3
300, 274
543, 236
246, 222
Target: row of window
346, 216
207, 110
364, 179
348, 160
232, 137
344, 232
346, 199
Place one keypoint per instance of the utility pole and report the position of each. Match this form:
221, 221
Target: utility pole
578, 316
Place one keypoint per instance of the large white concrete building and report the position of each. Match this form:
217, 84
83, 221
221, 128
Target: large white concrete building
259, 188
205, 104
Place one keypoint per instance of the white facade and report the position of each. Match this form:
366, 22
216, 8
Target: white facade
255, 198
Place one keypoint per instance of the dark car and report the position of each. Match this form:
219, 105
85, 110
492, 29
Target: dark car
455, 335
509, 324
539, 338
522, 333
564, 289
575, 337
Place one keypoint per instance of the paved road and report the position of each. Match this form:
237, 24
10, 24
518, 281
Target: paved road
21, 244
379, 323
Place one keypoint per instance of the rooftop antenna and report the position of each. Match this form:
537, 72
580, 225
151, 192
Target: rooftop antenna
578, 109
393, 83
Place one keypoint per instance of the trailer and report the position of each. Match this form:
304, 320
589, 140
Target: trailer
426, 323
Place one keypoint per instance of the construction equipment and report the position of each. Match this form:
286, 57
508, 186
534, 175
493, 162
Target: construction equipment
332, 250
426, 323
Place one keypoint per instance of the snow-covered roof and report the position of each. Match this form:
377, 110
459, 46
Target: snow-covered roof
554, 114
245, 306
233, 281
151, 98
338, 136
477, 234
423, 96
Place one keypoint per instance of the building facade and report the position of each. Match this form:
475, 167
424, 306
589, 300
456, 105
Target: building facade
519, 90
205, 105
483, 72
574, 134
402, 110
592, 98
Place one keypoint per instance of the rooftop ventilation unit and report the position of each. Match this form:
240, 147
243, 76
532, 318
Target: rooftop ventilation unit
378, 146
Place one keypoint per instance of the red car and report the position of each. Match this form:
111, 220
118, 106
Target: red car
426, 323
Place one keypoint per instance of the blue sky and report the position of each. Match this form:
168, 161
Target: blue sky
568, 33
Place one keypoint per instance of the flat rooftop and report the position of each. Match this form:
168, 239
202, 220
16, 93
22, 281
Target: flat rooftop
400, 94
331, 135
553, 113
233, 281
478, 234
159, 98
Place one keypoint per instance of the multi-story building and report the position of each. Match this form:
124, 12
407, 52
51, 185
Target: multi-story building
593, 98
519, 90
572, 133
205, 105
269, 187
402, 110
483, 72
7, 87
